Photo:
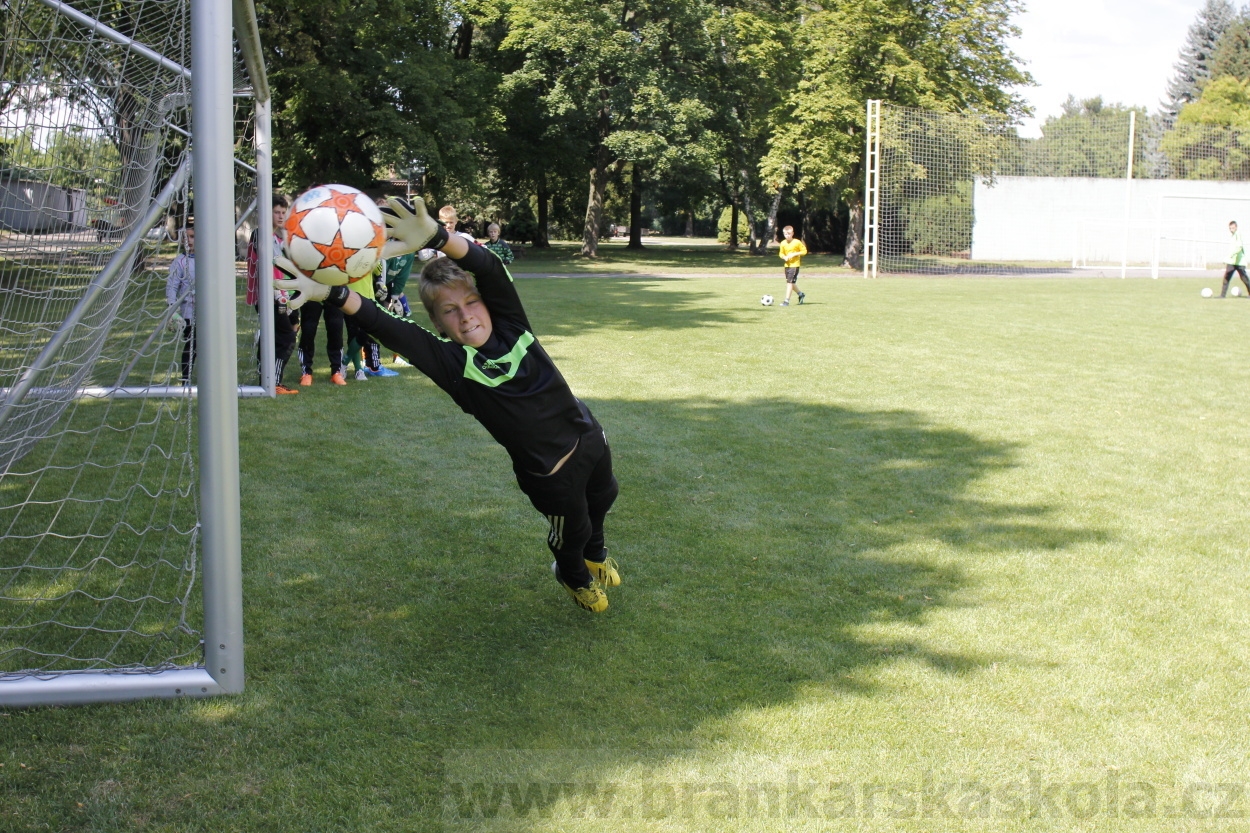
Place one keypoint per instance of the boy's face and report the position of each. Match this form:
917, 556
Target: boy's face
190, 233
279, 218
493, 233
449, 223
788, 232
461, 315
1232, 227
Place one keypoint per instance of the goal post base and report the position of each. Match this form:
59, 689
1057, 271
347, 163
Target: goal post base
85, 687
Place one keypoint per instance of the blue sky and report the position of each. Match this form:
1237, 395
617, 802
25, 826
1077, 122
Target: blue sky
1122, 50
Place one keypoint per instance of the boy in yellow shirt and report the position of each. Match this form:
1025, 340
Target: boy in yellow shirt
791, 253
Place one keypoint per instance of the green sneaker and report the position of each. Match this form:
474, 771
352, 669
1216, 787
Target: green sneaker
605, 571
590, 598
802, 295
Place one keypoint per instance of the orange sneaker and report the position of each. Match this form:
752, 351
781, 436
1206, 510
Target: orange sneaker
281, 389
305, 380
338, 379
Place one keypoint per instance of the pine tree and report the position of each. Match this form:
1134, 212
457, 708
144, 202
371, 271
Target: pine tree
1232, 51
1194, 66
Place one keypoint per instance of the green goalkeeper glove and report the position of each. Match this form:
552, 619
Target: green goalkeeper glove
411, 228
297, 282
176, 323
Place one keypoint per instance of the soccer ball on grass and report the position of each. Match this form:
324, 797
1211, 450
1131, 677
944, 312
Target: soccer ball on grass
1235, 291
1206, 292
767, 300
335, 234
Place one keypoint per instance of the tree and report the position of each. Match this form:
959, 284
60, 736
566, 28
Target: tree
1211, 139
99, 83
1231, 55
1193, 69
757, 64
369, 84
1089, 138
627, 77
940, 55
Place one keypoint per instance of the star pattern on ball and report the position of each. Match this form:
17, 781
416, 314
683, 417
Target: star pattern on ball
335, 254
342, 203
294, 222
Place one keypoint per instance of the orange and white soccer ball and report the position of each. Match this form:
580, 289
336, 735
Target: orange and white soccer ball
335, 234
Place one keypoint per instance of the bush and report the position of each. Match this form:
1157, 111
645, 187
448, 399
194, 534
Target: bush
522, 228
940, 225
722, 227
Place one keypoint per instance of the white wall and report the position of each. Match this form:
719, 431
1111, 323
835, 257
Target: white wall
1057, 219
34, 207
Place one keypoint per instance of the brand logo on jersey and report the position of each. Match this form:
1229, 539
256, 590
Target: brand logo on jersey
506, 365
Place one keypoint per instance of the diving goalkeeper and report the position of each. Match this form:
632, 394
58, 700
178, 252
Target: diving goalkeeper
487, 359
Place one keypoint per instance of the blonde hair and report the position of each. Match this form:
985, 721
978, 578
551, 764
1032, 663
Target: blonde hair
447, 214
438, 274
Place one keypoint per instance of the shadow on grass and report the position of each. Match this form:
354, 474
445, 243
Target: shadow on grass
568, 258
559, 308
757, 573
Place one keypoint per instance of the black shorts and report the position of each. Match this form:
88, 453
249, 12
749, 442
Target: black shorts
575, 500
792, 274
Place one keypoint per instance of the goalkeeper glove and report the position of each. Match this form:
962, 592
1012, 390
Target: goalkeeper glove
297, 282
411, 228
176, 323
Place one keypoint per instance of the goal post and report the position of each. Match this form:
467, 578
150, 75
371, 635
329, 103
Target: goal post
212, 108
120, 522
1189, 231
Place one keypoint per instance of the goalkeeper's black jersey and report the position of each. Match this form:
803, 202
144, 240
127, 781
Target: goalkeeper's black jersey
509, 383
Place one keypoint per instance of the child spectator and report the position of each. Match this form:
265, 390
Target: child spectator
499, 247
487, 359
285, 319
451, 221
180, 293
391, 285
360, 344
310, 316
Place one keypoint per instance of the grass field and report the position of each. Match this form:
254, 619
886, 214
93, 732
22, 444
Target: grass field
919, 555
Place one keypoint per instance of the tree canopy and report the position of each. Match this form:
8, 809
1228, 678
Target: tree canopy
578, 114
1193, 67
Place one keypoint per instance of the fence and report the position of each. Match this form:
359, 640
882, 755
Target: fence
959, 193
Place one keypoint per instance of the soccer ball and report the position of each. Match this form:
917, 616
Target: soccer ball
767, 300
334, 234
1235, 291
1207, 293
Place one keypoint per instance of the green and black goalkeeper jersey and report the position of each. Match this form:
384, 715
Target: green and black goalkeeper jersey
509, 384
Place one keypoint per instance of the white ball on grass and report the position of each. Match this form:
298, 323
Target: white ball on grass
1206, 292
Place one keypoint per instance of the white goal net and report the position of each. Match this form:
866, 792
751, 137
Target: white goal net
101, 565
1107, 190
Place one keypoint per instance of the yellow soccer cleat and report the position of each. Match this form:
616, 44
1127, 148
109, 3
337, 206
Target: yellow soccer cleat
590, 598
605, 571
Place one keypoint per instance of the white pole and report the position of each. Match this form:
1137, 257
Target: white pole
1158, 235
264, 246
1128, 190
212, 119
